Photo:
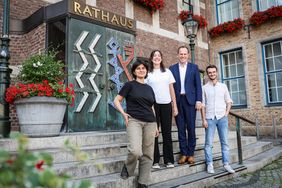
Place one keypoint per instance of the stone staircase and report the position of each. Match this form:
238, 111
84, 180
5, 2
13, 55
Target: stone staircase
107, 151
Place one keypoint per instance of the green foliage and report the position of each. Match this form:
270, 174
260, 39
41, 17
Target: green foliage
41, 75
25, 169
41, 67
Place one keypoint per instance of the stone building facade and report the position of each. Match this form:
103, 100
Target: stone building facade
162, 30
250, 61
159, 30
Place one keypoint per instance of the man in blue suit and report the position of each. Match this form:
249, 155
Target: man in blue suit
188, 92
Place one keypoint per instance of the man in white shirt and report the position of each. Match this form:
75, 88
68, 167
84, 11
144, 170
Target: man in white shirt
216, 107
188, 93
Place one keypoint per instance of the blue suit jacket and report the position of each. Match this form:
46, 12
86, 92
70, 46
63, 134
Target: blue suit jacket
193, 88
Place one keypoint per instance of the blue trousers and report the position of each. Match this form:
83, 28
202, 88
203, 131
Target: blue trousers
185, 121
222, 128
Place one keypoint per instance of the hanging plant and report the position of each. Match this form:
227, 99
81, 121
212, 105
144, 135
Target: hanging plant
152, 5
227, 27
260, 17
202, 22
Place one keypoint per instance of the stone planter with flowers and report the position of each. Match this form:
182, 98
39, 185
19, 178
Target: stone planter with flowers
40, 96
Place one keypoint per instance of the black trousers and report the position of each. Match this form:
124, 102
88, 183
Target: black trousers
164, 119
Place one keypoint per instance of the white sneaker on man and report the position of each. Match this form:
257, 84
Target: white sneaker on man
210, 169
156, 166
229, 169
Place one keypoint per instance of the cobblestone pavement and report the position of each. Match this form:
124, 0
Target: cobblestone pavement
268, 176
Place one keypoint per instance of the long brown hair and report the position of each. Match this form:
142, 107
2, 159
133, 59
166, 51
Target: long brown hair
151, 68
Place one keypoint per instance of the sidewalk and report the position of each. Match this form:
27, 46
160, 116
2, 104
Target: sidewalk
268, 176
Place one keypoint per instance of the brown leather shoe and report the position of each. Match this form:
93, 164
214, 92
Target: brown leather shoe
191, 160
182, 159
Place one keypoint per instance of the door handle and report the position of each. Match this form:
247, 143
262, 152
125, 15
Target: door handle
112, 86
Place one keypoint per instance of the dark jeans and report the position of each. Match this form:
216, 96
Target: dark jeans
164, 118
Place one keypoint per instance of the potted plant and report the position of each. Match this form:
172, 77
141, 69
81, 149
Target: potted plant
40, 95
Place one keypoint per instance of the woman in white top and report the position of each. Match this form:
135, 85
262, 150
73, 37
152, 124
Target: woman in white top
161, 80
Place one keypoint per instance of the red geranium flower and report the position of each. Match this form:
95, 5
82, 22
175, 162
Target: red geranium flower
58, 90
10, 161
39, 165
202, 22
227, 27
153, 5
272, 13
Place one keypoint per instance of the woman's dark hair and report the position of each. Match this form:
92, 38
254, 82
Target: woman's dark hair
136, 64
162, 67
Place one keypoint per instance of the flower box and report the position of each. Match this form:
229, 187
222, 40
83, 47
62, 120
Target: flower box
260, 17
152, 5
227, 27
202, 22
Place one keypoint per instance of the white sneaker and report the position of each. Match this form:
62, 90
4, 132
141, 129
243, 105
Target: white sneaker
210, 169
170, 165
229, 169
156, 166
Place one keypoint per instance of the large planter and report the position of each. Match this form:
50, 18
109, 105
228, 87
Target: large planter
41, 116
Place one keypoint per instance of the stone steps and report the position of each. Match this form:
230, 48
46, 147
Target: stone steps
94, 152
191, 180
200, 139
96, 145
108, 151
89, 139
199, 150
113, 163
203, 179
165, 174
77, 139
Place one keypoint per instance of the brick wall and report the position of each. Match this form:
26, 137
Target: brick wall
117, 6
252, 63
22, 46
147, 42
160, 37
21, 9
168, 18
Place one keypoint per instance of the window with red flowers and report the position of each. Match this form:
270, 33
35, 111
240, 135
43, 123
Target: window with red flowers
261, 17
227, 27
202, 22
152, 5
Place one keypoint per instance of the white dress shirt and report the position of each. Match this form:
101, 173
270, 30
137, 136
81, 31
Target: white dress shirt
182, 72
215, 99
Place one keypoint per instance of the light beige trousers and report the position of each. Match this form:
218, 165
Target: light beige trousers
141, 138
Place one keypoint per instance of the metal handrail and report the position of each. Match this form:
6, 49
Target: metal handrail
238, 133
243, 118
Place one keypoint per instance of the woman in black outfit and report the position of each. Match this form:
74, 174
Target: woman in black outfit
140, 123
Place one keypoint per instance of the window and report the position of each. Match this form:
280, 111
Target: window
233, 76
265, 4
272, 59
227, 10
